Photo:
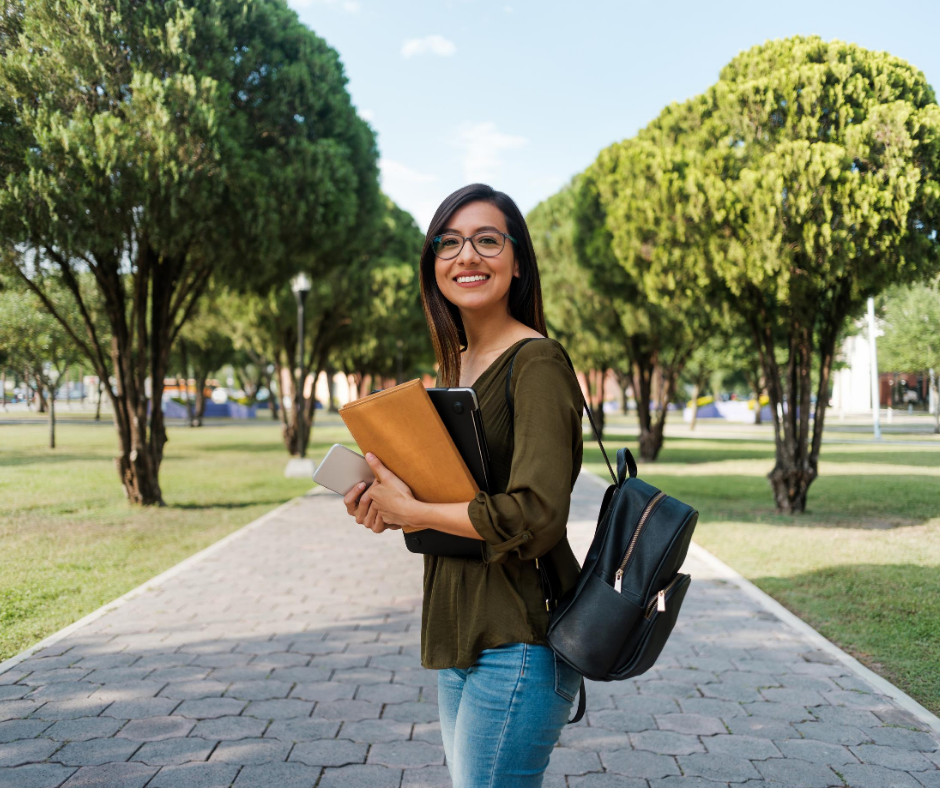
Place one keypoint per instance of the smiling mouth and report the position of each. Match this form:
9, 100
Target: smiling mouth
471, 277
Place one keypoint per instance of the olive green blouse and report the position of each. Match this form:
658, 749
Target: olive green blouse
471, 604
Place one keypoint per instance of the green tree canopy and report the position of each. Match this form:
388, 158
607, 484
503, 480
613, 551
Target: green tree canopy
154, 144
911, 341
821, 166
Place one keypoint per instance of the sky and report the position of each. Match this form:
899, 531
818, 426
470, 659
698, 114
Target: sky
524, 95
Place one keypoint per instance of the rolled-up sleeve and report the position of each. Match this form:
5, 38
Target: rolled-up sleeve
529, 519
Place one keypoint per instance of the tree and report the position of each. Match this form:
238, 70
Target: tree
637, 211
175, 142
911, 341
36, 343
580, 317
355, 313
822, 166
204, 345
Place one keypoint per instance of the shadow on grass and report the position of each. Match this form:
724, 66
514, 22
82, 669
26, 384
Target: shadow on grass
226, 505
54, 457
885, 615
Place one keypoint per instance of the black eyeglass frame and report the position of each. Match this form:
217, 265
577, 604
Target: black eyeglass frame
470, 238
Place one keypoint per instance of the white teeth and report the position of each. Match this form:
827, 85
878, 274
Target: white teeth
477, 278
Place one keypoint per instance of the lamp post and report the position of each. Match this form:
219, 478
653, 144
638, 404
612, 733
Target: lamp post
301, 285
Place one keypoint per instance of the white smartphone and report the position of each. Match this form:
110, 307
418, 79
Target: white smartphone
342, 469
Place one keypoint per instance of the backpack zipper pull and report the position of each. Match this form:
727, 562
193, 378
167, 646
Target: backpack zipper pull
661, 601
618, 580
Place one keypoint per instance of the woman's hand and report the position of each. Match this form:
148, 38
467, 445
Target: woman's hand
390, 495
387, 502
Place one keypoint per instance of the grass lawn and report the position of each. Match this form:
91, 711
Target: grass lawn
70, 543
862, 566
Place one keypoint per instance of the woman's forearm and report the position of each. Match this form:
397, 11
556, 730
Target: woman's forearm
451, 518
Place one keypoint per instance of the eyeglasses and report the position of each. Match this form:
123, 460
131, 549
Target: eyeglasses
488, 243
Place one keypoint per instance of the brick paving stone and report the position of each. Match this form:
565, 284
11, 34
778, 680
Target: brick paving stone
324, 690
14, 691
193, 690
750, 747
95, 752
301, 729
409, 712
229, 728
666, 742
69, 709
607, 781
156, 728
833, 733
374, 731
929, 779
902, 717
628, 722
877, 777
243, 751
406, 754
285, 709
84, 728
196, 775
713, 766
427, 731
64, 690
903, 739
429, 777
22, 729
111, 775
361, 776
37, 775
593, 739
688, 782
891, 757
844, 716
763, 727
565, 760
386, 693
798, 773
712, 707
779, 711
143, 707
174, 751
695, 724
329, 752
637, 763
816, 752
281, 775
18, 753
209, 708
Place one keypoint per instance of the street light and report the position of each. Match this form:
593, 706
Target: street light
301, 285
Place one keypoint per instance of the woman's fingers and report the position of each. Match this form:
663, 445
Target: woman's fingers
362, 510
351, 499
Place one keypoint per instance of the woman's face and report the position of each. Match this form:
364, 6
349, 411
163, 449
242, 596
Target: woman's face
497, 271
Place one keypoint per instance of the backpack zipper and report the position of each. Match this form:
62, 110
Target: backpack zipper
618, 578
659, 601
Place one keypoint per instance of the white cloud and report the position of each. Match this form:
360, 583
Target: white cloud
482, 146
411, 189
429, 45
367, 115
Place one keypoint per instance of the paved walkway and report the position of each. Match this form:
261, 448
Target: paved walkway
289, 658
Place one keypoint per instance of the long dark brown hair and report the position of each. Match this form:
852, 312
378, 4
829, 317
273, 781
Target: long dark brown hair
525, 291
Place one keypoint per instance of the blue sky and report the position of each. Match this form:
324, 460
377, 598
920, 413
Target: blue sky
522, 95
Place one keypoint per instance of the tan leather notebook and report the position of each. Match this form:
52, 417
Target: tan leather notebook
402, 428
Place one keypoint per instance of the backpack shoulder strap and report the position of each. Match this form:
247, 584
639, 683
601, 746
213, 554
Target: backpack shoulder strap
597, 435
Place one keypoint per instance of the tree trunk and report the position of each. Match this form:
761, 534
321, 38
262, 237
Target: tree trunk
695, 390
331, 384
201, 376
41, 402
51, 416
98, 403
651, 439
935, 386
272, 395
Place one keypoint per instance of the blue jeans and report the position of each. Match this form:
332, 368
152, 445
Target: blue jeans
501, 717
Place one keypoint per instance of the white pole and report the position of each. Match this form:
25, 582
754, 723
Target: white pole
931, 397
875, 393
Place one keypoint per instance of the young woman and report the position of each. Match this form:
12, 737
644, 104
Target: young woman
503, 694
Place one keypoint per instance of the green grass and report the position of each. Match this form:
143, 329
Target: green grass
862, 565
70, 542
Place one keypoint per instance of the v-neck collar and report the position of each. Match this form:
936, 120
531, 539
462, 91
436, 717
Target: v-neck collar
496, 361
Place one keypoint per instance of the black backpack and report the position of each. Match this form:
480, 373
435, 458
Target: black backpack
614, 623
